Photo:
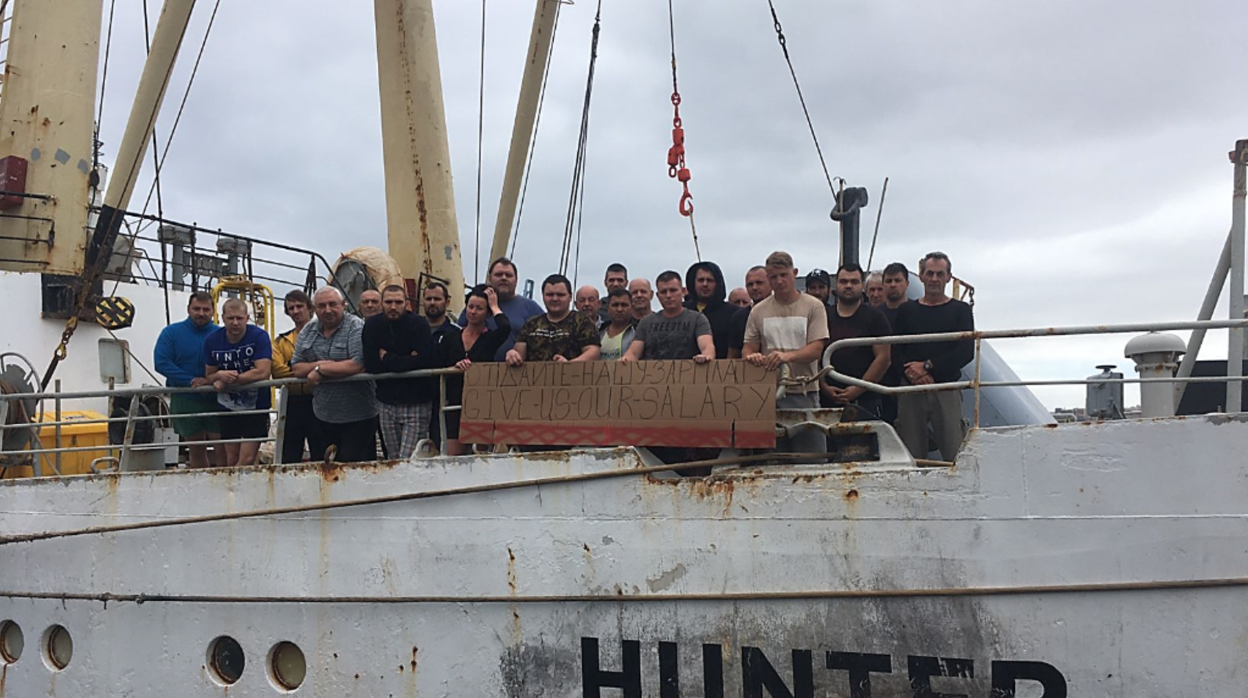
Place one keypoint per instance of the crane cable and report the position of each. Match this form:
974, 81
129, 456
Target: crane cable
576, 200
676, 168
89, 276
476, 252
801, 98
541, 101
158, 156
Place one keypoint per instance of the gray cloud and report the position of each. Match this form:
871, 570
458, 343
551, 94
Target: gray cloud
1069, 156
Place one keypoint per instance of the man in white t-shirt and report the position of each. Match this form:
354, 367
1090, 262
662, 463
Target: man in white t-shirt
790, 328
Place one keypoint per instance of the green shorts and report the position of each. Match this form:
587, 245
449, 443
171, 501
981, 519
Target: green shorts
186, 427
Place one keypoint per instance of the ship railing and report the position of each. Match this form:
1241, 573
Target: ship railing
126, 455
978, 336
180, 256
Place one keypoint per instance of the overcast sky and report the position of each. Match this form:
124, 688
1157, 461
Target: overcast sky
1069, 156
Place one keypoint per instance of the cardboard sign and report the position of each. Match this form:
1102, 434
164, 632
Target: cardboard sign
603, 403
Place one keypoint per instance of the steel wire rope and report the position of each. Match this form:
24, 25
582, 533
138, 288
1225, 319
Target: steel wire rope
476, 252
671, 31
878, 214
159, 161
801, 98
576, 199
99, 119
97, 269
537, 123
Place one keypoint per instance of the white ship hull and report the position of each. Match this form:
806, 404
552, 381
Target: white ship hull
36, 338
1102, 559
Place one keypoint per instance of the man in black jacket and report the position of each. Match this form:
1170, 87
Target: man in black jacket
395, 341
933, 362
704, 284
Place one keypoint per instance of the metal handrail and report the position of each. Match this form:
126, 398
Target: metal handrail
979, 335
127, 447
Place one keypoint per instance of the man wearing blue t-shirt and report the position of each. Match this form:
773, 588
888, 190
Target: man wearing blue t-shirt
179, 357
503, 277
234, 356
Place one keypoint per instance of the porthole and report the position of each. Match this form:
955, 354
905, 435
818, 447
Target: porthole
12, 641
58, 647
287, 667
225, 660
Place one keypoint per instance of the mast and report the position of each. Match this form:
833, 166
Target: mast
153, 83
1235, 350
420, 200
540, 39
47, 120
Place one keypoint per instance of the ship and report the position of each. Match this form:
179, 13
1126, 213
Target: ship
1094, 559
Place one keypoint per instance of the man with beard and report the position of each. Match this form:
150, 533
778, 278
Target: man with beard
704, 284
300, 421
758, 288
926, 363
434, 302
852, 317
819, 285
896, 284
179, 357
397, 341
642, 295
503, 276
332, 346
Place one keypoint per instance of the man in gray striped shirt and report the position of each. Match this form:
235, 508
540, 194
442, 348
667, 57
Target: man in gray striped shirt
330, 347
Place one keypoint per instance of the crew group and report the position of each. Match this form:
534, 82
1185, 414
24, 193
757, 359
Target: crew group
768, 322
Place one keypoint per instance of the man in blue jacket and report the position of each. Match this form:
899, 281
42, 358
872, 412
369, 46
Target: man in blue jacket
503, 277
179, 357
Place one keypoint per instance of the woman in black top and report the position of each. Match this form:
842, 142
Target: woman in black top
474, 343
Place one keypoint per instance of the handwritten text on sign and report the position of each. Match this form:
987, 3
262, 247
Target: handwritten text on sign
677, 403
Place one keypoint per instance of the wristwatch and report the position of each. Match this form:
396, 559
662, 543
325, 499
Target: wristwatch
317, 368
927, 366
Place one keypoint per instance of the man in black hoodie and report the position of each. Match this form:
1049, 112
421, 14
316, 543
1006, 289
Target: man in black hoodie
706, 293
397, 340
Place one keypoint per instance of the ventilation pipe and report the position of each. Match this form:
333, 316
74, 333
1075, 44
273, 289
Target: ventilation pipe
1156, 355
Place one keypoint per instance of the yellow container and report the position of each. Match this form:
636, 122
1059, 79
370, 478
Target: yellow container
72, 435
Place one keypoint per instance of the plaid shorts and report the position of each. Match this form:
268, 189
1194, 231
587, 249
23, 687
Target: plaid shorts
402, 426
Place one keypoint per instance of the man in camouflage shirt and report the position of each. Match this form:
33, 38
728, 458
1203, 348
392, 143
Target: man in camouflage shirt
558, 335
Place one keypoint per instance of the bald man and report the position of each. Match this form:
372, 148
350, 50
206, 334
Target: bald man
587, 302
641, 294
370, 303
740, 298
